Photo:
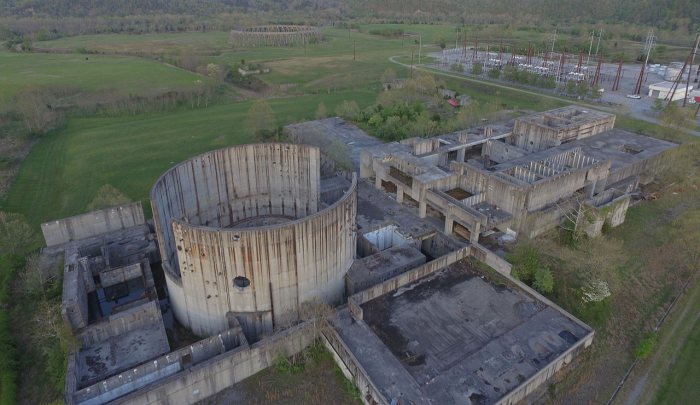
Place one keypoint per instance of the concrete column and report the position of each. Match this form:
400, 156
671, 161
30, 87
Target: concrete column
460, 154
474, 237
399, 195
422, 208
449, 224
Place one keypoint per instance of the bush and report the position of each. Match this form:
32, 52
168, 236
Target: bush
494, 73
107, 196
348, 110
477, 68
457, 67
646, 346
528, 268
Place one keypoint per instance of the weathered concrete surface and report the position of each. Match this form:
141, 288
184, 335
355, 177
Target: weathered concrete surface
453, 337
213, 372
523, 177
197, 206
92, 224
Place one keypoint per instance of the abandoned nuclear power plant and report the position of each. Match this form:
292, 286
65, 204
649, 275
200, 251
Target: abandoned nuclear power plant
385, 258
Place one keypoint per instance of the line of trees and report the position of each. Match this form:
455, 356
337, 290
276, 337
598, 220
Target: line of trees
187, 15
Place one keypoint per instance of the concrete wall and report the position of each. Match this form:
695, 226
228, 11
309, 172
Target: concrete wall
93, 223
223, 187
285, 264
486, 256
536, 223
120, 323
352, 369
152, 371
74, 305
501, 152
202, 380
406, 278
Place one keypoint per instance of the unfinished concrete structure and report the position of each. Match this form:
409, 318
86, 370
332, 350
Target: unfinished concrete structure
92, 223
252, 232
275, 35
248, 234
525, 176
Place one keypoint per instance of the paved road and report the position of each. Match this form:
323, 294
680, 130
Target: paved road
634, 114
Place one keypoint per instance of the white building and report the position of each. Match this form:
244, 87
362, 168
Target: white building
662, 90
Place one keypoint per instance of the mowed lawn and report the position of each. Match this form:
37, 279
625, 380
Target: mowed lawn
160, 43
127, 75
63, 172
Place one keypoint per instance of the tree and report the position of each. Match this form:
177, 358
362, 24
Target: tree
494, 73
477, 68
321, 111
657, 106
457, 67
261, 119
677, 117
107, 196
442, 43
529, 268
38, 273
389, 76
16, 235
35, 105
216, 72
348, 110
425, 84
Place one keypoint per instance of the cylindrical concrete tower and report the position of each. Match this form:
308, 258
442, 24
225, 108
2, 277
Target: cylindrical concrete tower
243, 233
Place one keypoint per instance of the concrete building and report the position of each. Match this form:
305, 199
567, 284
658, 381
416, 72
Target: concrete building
524, 176
247, 235
252, 232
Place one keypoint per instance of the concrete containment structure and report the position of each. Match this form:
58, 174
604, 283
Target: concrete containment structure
244, 233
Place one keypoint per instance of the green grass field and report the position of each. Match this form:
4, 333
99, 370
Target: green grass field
126, 75
63, 172
173, 43
681, 382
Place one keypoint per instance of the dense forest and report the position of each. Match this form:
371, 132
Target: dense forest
681, 15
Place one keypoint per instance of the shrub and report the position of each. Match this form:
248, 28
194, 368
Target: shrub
477, 68
348, 110
646, 346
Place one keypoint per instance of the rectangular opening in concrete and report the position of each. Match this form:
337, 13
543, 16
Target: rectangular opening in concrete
386, 237
461, 231
401, 176
458, 193
389, 187
632, 150
409, 202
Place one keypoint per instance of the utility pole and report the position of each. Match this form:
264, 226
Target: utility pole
590, 48
554, 39
597, 47
420, 45
690, 67
354, 49
647, 47
411, 64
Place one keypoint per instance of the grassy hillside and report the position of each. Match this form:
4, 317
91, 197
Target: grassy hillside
63, 172
88, 73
